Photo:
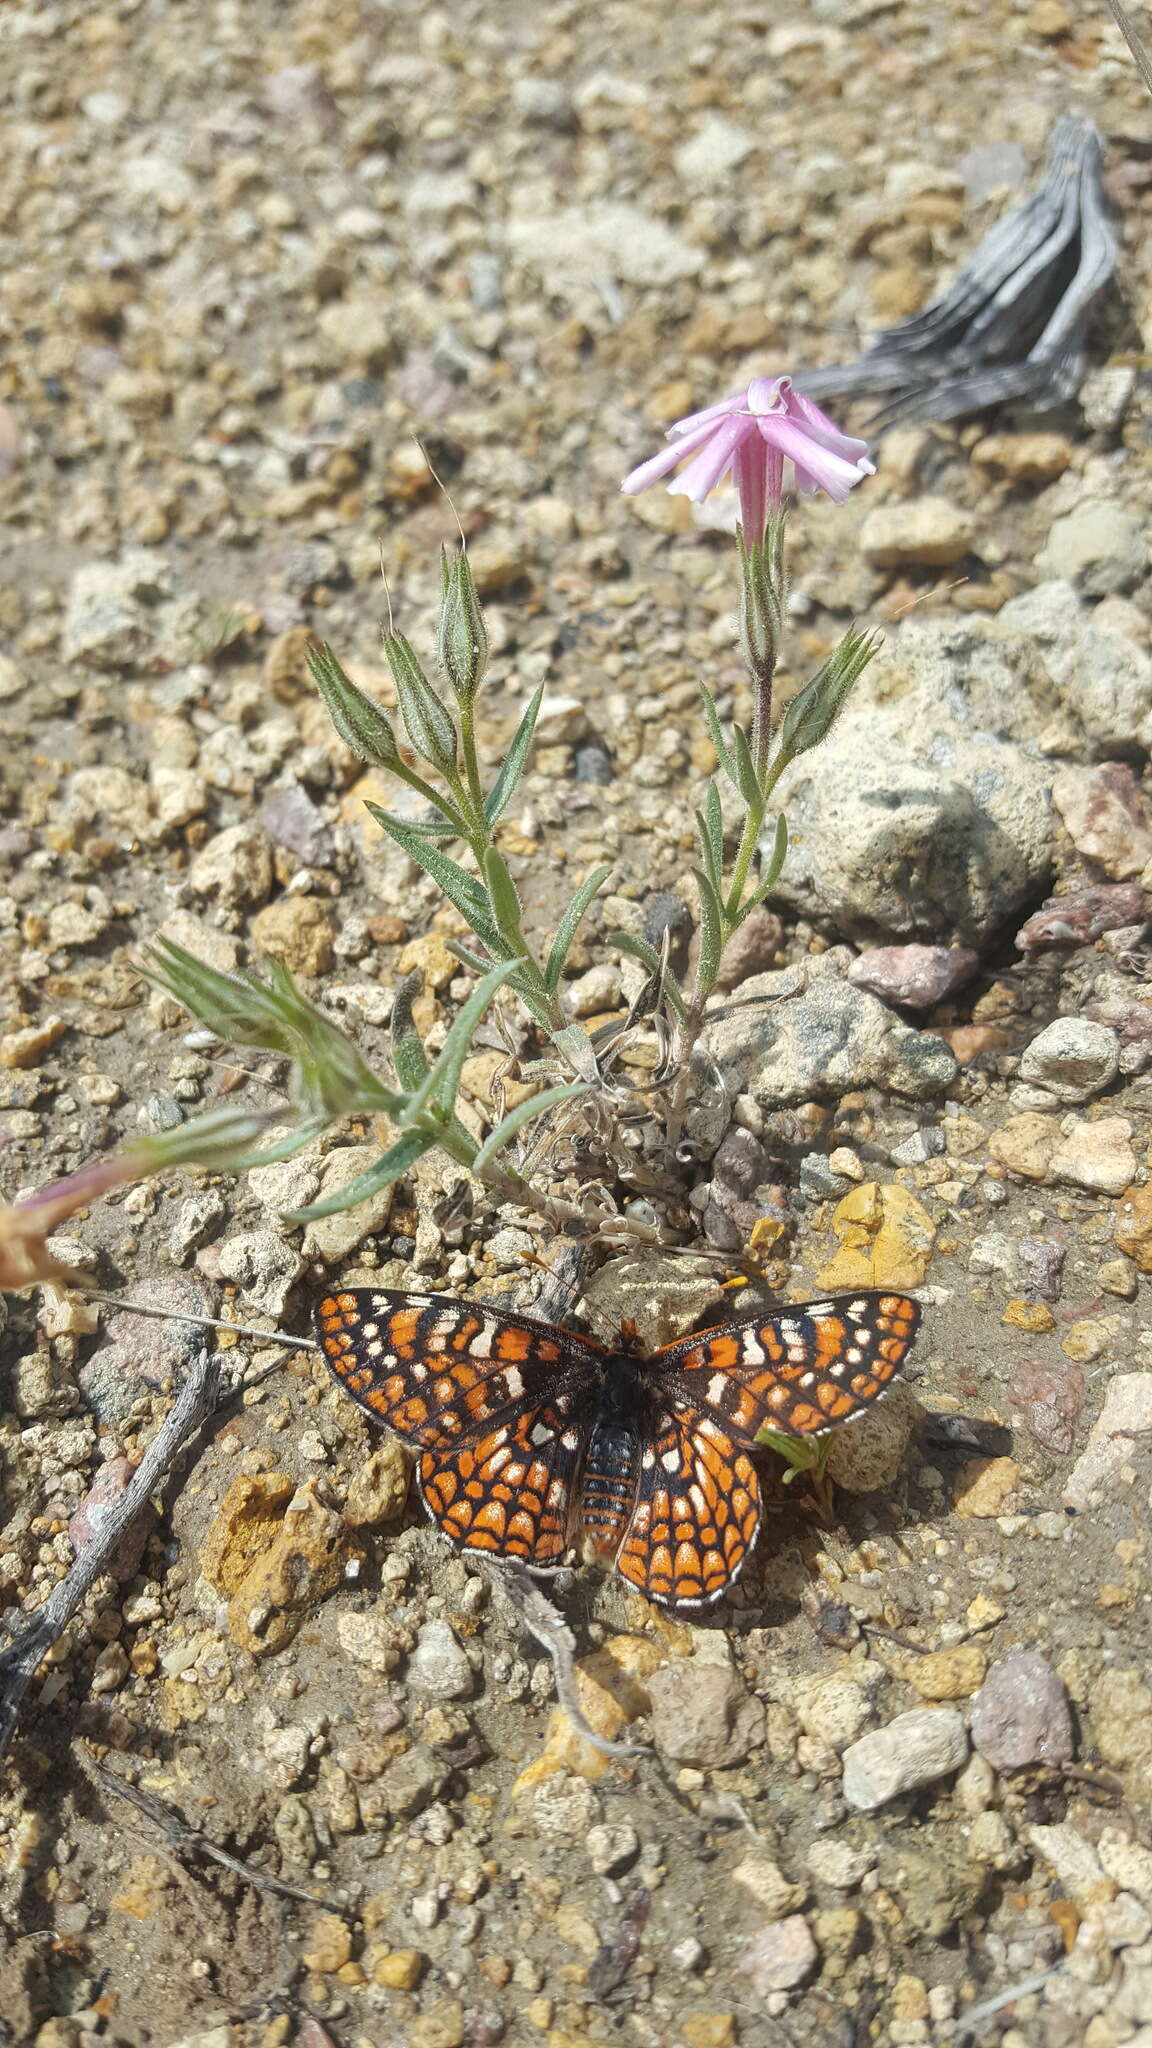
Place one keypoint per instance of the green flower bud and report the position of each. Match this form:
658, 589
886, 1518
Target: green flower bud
427, 721
462, 643
358, 719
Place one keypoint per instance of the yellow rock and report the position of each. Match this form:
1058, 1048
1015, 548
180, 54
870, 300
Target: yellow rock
983, 1612
538, 2013
947, 1674
305, 1561
1134, 1225
1025, 1144
611, 1692
982, 1486
442, 2026
245, 1525
396, 1969
142, 1894
1029, 1315
329, 1944
379, 1489
886, 1239
709, 2030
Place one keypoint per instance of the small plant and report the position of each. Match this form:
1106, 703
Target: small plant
759, 435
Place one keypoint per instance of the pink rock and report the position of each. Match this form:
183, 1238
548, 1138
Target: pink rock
1103, 810
1082, 915
753, 949
914, 976
104, 1491
780, 1956
1049, 1393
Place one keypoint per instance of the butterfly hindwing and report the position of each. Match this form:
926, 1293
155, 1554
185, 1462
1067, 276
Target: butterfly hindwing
696, 1513
512, 1493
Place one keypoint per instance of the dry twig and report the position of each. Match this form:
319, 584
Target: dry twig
193, 1404
180, 1837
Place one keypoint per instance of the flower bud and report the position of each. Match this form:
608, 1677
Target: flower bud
427, 720
462, 641
814, 711
358, 719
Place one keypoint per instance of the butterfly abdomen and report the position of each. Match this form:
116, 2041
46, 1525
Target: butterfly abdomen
611, 1470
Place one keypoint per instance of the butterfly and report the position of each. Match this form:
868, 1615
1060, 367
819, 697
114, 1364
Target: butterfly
532, 1439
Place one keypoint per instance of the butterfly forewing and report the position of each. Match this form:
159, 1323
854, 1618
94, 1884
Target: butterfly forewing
799, 1371
443, 1373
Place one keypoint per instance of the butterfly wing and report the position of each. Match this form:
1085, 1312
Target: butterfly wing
799, 1371
696, 1513
445, 1373
511, 1494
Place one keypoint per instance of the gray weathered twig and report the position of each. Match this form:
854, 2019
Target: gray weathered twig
1013, 324
551, 1631
193, 1404
182, 1838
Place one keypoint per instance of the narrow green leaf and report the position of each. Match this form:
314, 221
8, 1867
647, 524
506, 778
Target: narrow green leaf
467, 958
715, 734
524, 1113
711, 928
568, 925
636, 949
573, 1044
504, 788
439, 1089
770, 873
747, 780
707, 843
408, 1055
427, 719
388, 1168
506, 906
458, 885
714, 816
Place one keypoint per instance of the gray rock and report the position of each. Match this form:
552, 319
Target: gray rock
1103, 676
1099, 547
925, 814
1105, 816
931, 531
264, 1265
565, 1809
107, 623
611, 1849
1021, 1716
292, 820
703, 1715
144, 1352
196, 1220
805, 1032
575, 246
913, 1750
1072, 1058
439, 1666
1125, 1421
926, 1143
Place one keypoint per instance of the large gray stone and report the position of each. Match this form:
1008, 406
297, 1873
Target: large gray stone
806, 1031
1102, 673
926, 813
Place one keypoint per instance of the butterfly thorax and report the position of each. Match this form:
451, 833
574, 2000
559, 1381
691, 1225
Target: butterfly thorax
612, 1460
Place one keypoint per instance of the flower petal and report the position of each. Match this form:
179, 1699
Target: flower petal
705, 471
692, 420
817, 468
768, 395
659, 465
758, 473
824, 430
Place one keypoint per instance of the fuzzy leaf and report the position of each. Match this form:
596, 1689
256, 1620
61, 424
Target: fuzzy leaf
568, 925
524, 1113
504, 788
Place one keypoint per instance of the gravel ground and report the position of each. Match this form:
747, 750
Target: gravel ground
268, 268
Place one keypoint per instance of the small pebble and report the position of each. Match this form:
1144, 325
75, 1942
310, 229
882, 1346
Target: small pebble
779, 1957
915, 976
1072, 1058
913, 1750
1020, 1715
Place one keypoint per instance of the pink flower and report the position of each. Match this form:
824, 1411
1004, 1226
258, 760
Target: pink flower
753, 434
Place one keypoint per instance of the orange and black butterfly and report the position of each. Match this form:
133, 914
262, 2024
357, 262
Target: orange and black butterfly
532, 1439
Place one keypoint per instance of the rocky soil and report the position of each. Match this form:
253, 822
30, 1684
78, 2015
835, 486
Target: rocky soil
272, 271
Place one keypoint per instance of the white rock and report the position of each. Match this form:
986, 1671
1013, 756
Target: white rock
1125, 1419
439, 1666
913, 1750
1073, 1058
